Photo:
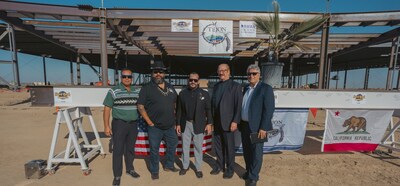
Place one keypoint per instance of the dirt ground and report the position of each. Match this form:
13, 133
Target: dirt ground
26, 134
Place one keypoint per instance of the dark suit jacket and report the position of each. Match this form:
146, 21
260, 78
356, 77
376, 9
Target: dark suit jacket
202, 114
261, 108
230, 106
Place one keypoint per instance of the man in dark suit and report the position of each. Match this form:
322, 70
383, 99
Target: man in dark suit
226, 105
257, 111
193, 118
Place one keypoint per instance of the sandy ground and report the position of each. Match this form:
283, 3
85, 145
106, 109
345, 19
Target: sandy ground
26, 134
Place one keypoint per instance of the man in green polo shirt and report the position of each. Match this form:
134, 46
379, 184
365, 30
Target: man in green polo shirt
122, 99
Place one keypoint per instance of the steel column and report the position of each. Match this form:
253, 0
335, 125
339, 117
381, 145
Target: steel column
395, 62
366, 77
392, 64
78, 69
14, 55
44, 69
323, 54
71, 71
337, 79
328, 72
290, 81
345, 78
116, 75
103, 46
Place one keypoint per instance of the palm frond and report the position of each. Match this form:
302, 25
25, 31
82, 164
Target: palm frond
251, 42
275, 19
308, 26
264, 24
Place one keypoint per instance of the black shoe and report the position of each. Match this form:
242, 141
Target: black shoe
171, 169
183, 172
227, 175
251, 182
245, 176
154, 176
215, 171
199, 174
116, 181
133, 174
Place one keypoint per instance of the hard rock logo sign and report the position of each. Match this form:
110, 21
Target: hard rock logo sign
359, 97
215, 35
62, 95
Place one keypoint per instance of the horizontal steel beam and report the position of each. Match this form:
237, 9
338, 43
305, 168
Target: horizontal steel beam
46, 9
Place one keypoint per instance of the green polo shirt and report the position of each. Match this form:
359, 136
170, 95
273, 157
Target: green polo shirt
122, 102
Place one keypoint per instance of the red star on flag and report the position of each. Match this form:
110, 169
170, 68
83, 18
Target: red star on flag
337, 113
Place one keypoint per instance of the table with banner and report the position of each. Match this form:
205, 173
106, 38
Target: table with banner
355, 120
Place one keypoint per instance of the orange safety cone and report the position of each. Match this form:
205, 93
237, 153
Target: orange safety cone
57, 109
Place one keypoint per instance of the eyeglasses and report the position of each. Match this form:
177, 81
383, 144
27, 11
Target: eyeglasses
193, 80
252, 73
126, 76
158, 72
223, 70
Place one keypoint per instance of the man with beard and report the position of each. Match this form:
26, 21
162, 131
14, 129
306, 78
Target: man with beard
121, 99
156, 104
226, 105
194, 118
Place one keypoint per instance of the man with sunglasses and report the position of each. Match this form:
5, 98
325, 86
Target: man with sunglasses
226, 108
121, 99
193, 119
257, 110
156, 104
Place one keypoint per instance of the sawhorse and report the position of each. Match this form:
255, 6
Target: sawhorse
389, 141
73, 117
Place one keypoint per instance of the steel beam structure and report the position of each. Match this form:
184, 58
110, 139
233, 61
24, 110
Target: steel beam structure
323, 54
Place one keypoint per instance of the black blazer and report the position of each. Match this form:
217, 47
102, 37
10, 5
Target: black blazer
202, 114
261, 108
230, 106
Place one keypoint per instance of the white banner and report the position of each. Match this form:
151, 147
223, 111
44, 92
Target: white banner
354, 130
215, 37
291, 124
247, 29
181, 25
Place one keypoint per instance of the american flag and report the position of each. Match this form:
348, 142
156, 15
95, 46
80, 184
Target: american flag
142, 142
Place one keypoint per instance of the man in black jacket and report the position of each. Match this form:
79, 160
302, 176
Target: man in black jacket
194, 118
226, 105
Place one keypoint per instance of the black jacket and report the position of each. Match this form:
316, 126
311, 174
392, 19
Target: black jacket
202, 114
230, 106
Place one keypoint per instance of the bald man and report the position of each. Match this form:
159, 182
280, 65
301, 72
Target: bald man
226, 106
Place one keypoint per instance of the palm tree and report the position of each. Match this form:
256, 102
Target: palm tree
279, 41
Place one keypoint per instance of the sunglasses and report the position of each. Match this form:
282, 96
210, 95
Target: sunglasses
126, 76
193, 80
158, 72
252, 73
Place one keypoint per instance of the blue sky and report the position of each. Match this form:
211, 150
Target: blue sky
58, 71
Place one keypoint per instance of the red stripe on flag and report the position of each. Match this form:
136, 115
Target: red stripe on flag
350, 147
142, 146
142, 138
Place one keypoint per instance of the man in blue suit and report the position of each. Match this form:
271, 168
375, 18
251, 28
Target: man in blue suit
257, 110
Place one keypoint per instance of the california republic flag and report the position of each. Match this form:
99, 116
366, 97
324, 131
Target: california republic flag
354, 130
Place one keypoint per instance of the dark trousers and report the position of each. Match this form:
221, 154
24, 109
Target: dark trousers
224, 147
253, 153
124, 138
171, 140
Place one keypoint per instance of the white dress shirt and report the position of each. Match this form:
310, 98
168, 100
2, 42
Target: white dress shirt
246, 102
